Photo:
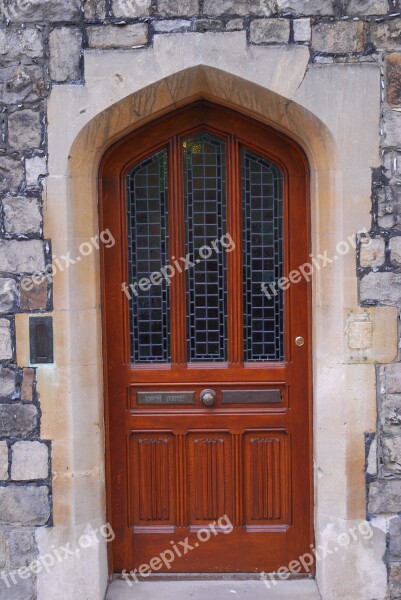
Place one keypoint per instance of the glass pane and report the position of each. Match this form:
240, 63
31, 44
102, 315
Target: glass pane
147, 254
205, 200
263, 258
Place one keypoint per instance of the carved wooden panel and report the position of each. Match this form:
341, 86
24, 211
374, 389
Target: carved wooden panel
153, 467
266, 477
210, 482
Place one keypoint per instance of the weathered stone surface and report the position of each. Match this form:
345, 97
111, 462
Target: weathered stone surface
23, 589
21, 546
25, 129
35, 167
384, 496
386, 35
33, 293
21, 83
21, 257
24, 505
65, 53
168, 25
391, 451
3, 461
21, 43
392, 165
390, 378
373, 254
306, 7
302, 30
390, 414
389, 207
8, 295
258, 8
178, 8
235, 25
117, 37
393, 79
395, 538
383, 287
131, 9
35, 11
395, 581
28, 378
395, 251
3, 550
29, 461
367, 7
22, 216
94, 9
11, 173
209, 24
392, 128
7, 382
6, 347
338, 37
271, 31
17, 419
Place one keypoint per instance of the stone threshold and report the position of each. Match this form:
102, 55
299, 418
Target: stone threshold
223, 589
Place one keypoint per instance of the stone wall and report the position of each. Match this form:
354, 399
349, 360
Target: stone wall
41, 44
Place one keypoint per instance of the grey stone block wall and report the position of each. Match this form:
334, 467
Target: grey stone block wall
41, 44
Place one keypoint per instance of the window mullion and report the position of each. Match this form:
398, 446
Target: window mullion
177, 251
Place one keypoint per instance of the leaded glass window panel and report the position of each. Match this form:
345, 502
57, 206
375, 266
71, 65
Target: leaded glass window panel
262, 197
205, 206
147, 254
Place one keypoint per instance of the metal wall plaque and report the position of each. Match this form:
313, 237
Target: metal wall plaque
251, 396
166, 397
41, 340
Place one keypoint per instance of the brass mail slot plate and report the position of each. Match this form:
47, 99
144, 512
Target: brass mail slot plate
166, 397
251, 396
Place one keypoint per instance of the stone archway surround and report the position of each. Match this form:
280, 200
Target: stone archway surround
318, 106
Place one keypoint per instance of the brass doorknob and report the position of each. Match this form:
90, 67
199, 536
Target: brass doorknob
208, 398
299, 341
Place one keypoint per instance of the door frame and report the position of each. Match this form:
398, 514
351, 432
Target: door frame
297, 159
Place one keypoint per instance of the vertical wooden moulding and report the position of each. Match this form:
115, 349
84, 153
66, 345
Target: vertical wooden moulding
181, 518
237, 516
234, 258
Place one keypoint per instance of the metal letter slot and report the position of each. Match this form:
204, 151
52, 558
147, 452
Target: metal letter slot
251, 396
166, 397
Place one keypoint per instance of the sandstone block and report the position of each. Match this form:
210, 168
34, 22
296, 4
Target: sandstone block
3, 461
178, 8
8, 295
6, 346
17, 420
28, 505
373, 254
7, 382
65, 53
338, 37
270, 31
117, 37
22, 216
21, 257
30, 460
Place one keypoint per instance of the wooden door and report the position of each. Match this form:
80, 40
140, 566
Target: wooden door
208, 402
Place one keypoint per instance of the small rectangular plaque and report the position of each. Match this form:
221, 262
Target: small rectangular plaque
166, 397
41, 340
251, 396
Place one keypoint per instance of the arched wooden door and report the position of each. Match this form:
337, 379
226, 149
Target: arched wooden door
207, 390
